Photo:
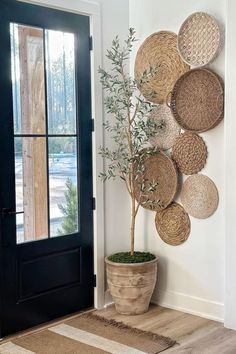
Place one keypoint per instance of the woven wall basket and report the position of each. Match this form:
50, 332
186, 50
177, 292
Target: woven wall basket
197, 100
190, 153
158, 167
173, 224
159, 51
199, 39
199, 196
165, 136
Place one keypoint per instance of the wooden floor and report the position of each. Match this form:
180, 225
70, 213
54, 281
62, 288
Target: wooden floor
195, 335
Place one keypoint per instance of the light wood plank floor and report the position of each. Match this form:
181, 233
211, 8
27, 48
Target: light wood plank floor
195, 335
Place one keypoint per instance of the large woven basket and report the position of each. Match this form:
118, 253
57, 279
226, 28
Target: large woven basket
199, 196
173, 224
166, 136
159, 51
157, 167
199, 39
197, 100
190, 153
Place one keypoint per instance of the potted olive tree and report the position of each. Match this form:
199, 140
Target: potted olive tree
131, 275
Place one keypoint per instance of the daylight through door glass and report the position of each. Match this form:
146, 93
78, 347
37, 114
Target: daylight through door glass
45, 132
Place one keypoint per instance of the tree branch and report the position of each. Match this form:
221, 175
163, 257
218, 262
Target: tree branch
135, 112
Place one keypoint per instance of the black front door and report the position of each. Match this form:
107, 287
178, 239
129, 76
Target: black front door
46, 244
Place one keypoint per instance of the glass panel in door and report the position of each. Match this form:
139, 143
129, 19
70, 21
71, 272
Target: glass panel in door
31, 188
63, 185
45, 127
60, 64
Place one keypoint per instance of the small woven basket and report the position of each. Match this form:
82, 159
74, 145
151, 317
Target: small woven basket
173, 224
157, 168
190, 153
199, 39
166, 136
197, 100
159, 51
199, 196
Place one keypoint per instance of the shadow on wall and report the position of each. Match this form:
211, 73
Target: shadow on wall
162, 276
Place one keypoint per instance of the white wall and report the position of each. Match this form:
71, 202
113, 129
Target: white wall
191, 276
115, 21
230, 144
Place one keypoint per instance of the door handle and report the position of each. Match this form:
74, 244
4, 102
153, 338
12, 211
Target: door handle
6, 211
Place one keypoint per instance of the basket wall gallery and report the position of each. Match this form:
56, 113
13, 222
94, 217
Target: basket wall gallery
190, 100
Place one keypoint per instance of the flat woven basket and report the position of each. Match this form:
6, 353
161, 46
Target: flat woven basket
199, 39
173, 224
157, 168
199, 196
190, 153
165, 136
159, 51
197, 100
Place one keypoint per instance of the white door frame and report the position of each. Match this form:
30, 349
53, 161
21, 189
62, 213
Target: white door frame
92, 9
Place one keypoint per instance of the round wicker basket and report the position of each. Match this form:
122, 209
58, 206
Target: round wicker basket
199, 196
197, 100
173, 224
190, 153
199, 39
166, 136
159, 51
157, 168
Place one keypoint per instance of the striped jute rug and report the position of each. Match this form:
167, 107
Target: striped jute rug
88, 334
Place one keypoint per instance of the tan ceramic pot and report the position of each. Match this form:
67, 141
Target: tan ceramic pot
131, 285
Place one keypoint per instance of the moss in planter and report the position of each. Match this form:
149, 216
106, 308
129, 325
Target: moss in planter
125, 257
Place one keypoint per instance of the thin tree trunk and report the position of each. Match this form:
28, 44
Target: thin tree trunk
131, 174
132, 227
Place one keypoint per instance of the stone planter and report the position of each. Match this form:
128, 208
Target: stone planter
131, 285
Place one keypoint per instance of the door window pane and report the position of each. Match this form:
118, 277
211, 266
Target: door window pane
19, 190
28, 86
45, 163
60, 63
31, 189
63, 186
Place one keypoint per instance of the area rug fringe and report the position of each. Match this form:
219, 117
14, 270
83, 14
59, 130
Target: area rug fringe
155, 337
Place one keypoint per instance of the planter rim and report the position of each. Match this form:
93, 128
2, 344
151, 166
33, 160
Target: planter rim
116, 264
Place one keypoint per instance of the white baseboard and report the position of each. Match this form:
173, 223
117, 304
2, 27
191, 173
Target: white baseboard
189, 304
